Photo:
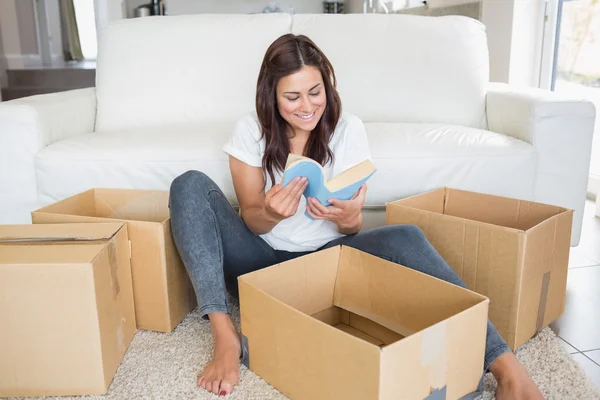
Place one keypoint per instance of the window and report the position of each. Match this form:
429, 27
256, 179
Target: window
86, 25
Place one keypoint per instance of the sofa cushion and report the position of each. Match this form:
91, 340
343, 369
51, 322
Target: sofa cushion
413, 158
427, 69
410, 158
136, 159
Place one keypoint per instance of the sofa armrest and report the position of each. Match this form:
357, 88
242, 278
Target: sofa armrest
560, 128
29, 124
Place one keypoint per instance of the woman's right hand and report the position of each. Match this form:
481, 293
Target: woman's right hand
282, 202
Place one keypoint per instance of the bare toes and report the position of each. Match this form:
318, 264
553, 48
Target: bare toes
226, 388
215, 387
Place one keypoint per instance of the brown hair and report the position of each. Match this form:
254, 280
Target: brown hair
287, 55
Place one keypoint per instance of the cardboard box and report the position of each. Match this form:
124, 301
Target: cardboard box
66, 307
343, 324
161, 286
514, 252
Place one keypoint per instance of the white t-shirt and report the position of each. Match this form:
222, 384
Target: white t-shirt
299, 233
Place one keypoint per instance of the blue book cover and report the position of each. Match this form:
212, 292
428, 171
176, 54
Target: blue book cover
342, 187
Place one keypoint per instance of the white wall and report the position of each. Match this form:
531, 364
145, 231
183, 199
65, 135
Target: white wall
528, 28
515, 31
10, 30
18, 29
498, 19
131, 5
53, 10
3, 77
106, 11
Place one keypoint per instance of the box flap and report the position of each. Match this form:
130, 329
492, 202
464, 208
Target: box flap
305, 283
116, 204
497, 210
532, 214
130, 204
79, 204
377, 289
430, 201
58, 232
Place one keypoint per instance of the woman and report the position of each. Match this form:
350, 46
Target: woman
298, 110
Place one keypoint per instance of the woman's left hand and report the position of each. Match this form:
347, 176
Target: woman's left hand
346, 214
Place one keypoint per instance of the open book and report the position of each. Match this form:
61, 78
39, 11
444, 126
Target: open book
342, 186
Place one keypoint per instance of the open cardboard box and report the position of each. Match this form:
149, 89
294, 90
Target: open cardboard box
161, 286
66, 307
343, 324
515, 252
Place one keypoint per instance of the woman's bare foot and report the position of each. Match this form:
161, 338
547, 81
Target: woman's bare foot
222, 373
513, 380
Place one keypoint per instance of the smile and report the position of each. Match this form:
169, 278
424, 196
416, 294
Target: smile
307, 117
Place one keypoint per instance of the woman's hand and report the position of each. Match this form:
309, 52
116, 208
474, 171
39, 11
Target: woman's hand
346, 214
282, 202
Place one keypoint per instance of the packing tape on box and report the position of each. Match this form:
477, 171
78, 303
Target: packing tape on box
434, 358
112, 262
437, 394
434, 355
543, 301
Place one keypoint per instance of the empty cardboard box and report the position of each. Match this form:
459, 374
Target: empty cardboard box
514, 252
161, 286
343, 324
66, 308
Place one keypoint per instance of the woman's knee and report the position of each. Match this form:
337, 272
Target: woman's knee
188, 182
188, 189
407, 233
401, 237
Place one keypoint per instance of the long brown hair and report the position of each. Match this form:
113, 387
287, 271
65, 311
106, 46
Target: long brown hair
287, 55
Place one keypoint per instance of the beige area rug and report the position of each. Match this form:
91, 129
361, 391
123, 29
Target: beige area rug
165, 366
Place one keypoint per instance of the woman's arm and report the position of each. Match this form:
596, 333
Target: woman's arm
353, 228
262, 211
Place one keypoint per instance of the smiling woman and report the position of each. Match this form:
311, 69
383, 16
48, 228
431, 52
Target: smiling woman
298, 111
296, 99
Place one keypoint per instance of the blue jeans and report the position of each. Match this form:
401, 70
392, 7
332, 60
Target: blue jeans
216, 247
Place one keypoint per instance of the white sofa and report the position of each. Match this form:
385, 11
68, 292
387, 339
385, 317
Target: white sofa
169, 90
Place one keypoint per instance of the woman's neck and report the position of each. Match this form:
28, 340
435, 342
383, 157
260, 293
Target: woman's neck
298, 140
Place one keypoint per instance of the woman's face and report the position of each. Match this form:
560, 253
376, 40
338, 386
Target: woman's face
301, 99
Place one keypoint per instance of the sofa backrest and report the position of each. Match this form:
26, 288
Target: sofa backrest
181, 69
194, 69
405, 68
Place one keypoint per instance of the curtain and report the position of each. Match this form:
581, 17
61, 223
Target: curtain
70, 32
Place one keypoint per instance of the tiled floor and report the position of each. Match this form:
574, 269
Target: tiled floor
579, 326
